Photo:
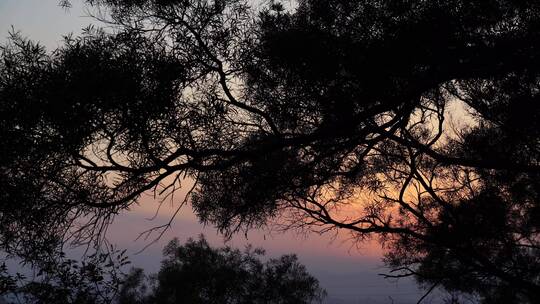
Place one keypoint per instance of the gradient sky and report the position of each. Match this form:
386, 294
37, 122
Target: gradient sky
350, 275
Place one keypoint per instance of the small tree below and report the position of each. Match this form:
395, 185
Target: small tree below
197, 273
193, 273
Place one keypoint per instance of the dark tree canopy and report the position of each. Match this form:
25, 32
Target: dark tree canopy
196, 273
192, 273
96, 280
413, 121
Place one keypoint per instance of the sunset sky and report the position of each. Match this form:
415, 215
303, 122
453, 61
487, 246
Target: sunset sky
349, 274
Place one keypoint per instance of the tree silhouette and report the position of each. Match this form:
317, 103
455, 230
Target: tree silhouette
191, 273
197, 273
331, 115
96, 280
